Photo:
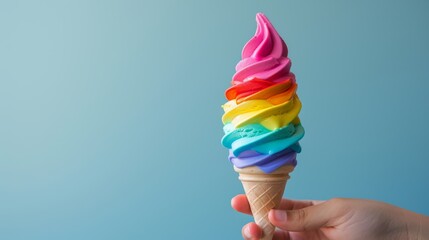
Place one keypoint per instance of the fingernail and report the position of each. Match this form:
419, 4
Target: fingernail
247, 232
279, 215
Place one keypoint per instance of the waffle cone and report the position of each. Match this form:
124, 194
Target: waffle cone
264, 192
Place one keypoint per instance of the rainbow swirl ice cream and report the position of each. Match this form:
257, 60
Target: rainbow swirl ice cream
261, 121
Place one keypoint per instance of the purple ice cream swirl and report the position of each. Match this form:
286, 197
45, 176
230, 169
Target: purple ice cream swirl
267, 163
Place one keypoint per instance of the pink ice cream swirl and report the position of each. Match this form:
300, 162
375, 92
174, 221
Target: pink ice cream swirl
264, 56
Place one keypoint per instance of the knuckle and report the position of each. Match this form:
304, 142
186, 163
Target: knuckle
337, 201
300, 216
298, 220
338, 205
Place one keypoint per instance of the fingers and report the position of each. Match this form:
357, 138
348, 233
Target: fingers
240, 204
293, 216
303, 219
251, 231
281, 235
287, 204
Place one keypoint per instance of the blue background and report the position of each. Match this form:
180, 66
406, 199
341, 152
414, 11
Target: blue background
110, 111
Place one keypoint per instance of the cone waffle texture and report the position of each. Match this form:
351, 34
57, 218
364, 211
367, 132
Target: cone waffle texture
264, 192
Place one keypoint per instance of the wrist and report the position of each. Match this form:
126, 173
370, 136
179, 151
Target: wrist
423, 229
416, 226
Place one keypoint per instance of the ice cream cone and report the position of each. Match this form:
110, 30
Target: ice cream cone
264, 192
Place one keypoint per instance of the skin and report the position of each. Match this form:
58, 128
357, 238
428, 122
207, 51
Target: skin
338, 219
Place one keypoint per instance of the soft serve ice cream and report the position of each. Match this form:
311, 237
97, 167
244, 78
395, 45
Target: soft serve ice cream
261, 121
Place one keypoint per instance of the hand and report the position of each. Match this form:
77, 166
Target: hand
338, 219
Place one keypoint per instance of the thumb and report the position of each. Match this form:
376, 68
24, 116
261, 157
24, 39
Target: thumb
304, 219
